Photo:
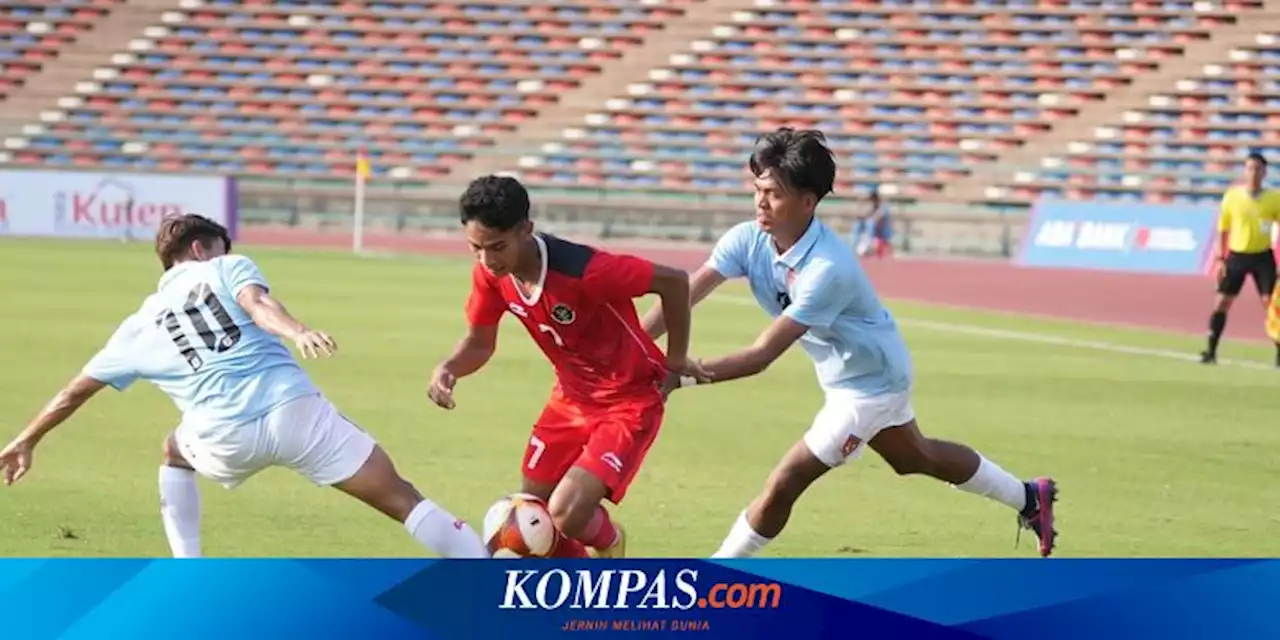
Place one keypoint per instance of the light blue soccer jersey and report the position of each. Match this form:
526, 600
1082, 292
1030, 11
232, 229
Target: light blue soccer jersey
852, 339
194, 341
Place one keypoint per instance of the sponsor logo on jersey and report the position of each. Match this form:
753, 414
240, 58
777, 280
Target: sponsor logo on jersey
613, 461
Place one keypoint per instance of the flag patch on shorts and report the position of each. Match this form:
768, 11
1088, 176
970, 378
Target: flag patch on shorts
849, 445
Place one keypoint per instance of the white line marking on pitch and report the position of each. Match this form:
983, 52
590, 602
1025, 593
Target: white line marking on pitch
1042, 338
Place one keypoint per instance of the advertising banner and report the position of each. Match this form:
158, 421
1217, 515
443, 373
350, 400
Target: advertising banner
64, 204
734, 599
1119, 237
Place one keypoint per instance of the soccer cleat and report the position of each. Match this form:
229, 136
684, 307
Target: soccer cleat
1038, 517
616, 550
1208, 357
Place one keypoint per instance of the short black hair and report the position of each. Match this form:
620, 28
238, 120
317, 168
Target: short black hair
801, 159
176, 233
497, 202
1257, 155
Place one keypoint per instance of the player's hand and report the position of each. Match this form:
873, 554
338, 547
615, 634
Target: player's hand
689, 367
441, 389
312, 343
15, 460
1220, 270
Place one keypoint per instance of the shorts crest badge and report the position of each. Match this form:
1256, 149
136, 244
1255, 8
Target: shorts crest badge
562, 313
850, 445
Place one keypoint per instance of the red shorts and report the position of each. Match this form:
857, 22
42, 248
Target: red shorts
608, 441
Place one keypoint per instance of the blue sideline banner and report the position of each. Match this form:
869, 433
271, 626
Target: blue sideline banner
530, 599
1119, 237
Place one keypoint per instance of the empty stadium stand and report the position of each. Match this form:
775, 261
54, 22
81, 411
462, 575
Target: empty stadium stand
1181, 143
293, 88
648, 103
33, 35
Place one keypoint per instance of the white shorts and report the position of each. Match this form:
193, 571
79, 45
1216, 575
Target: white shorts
847, 422
305, 434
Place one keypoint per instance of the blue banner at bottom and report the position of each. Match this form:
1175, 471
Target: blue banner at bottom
1002, 599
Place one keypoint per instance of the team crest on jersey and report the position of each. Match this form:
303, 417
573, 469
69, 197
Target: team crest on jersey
562, 313
784, 297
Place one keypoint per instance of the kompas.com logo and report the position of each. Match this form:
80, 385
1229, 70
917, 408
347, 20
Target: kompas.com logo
631, 589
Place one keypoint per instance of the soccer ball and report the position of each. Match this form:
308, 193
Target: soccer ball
520, 526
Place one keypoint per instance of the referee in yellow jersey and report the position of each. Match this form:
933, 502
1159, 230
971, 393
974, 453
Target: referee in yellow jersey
1244, 247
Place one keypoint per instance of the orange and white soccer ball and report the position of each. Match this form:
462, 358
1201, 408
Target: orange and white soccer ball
520, 526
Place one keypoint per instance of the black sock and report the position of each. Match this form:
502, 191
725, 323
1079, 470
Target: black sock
1217, 322
1032, 499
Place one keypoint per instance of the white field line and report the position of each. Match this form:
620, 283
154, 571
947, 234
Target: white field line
1040, 338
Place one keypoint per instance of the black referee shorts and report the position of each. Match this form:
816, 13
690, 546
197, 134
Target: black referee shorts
1259, 266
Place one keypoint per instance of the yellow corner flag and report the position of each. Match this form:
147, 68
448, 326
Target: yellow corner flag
362, 164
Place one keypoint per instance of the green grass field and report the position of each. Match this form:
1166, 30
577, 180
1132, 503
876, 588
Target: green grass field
1155, 456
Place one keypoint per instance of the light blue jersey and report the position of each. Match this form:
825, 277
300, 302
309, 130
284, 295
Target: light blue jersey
194, 341
853, 340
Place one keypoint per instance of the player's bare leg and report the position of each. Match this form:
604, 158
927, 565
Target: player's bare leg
578, 511
378, 485
1217, 324
768, 513
909, 452
179, 502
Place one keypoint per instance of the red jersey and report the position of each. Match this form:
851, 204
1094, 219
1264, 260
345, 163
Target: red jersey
583, 317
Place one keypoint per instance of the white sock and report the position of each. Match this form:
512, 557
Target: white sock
442, 533
180, 511
991, 481
743, 541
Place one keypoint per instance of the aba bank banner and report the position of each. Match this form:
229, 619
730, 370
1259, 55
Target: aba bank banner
1119, 237
529, 599
66, 204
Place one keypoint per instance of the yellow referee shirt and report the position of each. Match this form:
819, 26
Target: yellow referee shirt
1247, 220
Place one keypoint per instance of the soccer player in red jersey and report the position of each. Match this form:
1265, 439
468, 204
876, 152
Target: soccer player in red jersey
577, 304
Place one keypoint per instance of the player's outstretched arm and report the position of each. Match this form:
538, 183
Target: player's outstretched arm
15, 458
770, 346
820, 294
270, 314
701, 284
469, 356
